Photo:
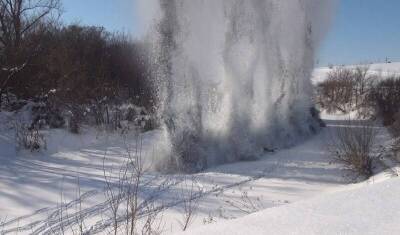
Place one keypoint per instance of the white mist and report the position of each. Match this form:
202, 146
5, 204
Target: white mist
233, 76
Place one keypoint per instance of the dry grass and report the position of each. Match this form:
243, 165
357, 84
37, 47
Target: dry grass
353, 144
28, 138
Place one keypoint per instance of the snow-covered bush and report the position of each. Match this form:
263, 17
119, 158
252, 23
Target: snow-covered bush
75, 119
10, 102
28, 138
44, 114
114, 116
354, 144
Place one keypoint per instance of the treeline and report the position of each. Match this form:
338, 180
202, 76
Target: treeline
78, 63
81, 70
344, 90
356, 90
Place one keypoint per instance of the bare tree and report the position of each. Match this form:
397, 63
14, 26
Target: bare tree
346, 89
362, 82
385, 98
17, 19
336, 92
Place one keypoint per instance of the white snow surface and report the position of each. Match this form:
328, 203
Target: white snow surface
299, 190
362, 209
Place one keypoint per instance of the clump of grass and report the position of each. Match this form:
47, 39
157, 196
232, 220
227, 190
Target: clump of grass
353, 144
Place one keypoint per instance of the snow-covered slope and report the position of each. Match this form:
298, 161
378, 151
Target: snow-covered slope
383, 69
32, 186
36, 190
367, 209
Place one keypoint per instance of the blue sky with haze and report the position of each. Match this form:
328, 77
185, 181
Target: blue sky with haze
362, 31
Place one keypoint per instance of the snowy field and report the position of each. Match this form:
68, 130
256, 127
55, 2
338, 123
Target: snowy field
362, 209
300, 190
33, 186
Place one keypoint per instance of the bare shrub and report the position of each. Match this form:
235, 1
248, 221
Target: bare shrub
75, 118
114, 192
353, 89
68, 222
62, 210
337, 91
345, 90
386, 99
129, 209
28, 137
245, 204
353, 144
395, 132
190, 203
153, 220
209, 219
395, 127
2, 222
79, 217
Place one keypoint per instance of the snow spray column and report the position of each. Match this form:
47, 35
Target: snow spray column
233, 76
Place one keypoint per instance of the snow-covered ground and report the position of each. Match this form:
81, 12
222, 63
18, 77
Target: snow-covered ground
300, 190
33, 186
358, 209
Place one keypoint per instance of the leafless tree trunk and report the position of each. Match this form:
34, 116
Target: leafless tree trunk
18, 17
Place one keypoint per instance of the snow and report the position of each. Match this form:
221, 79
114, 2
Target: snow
31, 184
358, 209
34, 185
299, 190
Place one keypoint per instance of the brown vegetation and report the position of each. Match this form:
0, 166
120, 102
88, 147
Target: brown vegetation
79, 72
353, 144
345, 89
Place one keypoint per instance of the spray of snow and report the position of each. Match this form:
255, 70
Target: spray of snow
233, 76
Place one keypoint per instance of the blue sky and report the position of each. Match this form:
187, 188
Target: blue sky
363, 30
112, 14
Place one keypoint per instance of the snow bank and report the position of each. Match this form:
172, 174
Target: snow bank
370, 209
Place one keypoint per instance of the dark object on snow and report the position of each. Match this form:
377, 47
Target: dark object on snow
29, 138
44, 114
315, 113
269, 150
